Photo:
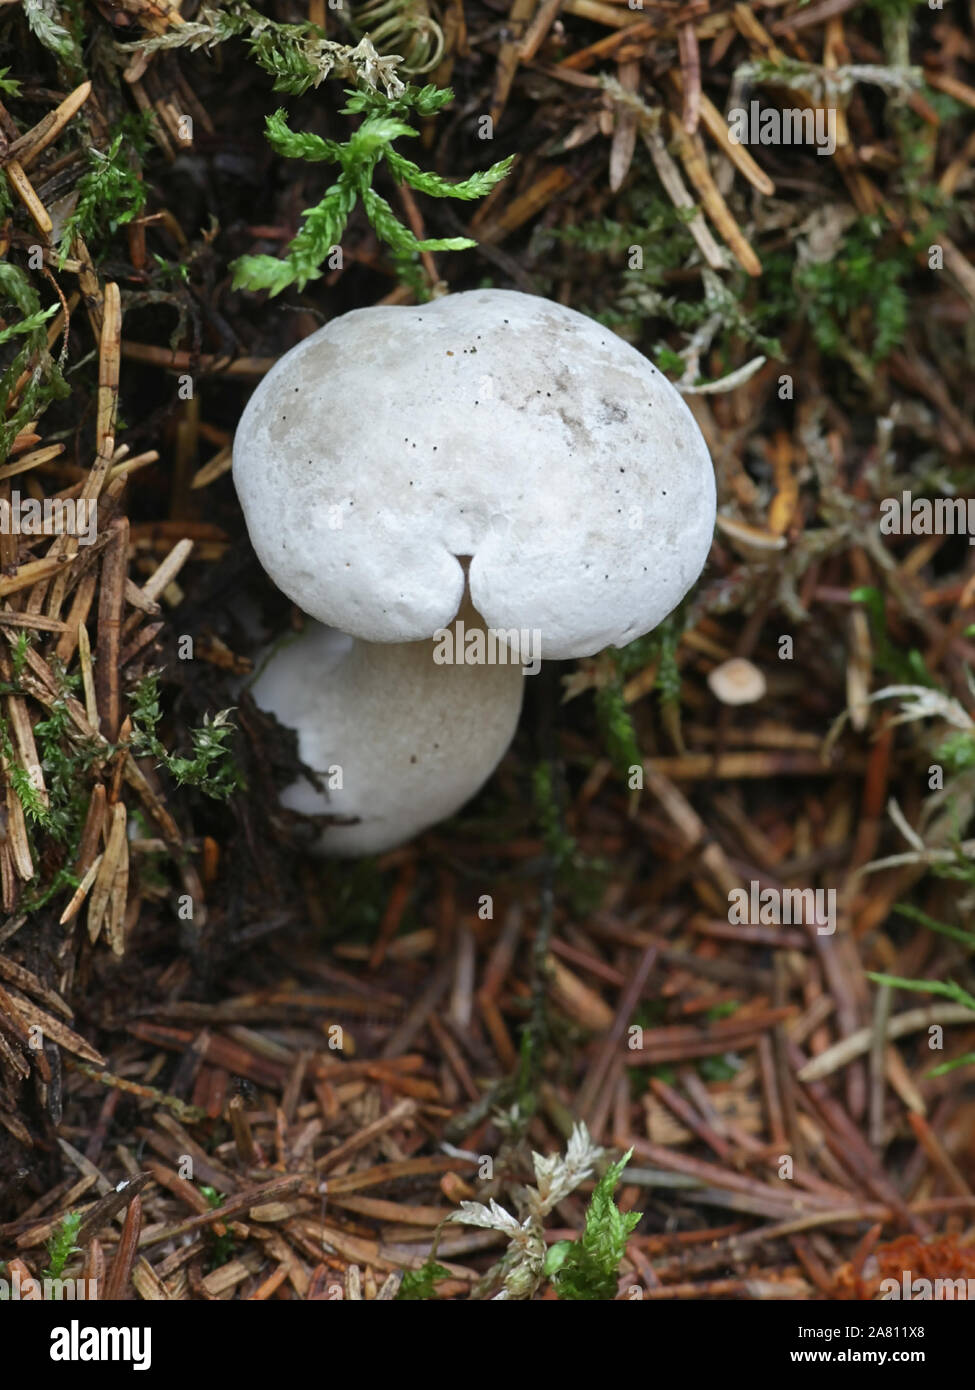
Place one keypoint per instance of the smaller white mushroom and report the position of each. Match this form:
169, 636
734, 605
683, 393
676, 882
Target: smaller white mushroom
737, 682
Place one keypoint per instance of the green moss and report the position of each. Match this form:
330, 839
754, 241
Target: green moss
418, 1284
616, 728
61, 1246
558, 842
210, 768
223, 1249
588, 1268
861, 285
357, 158
26, 330
111, 193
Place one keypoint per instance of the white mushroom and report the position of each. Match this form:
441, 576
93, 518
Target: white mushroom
490, 424
492, 444
737, 682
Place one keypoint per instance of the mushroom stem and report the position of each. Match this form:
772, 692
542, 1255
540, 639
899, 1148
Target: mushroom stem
398, 740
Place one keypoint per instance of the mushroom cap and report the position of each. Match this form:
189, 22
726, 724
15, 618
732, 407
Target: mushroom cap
414, 740
397, 441
737, 682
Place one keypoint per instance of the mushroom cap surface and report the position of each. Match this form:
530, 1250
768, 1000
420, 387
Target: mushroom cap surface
412, 740
737, 682
396, 442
